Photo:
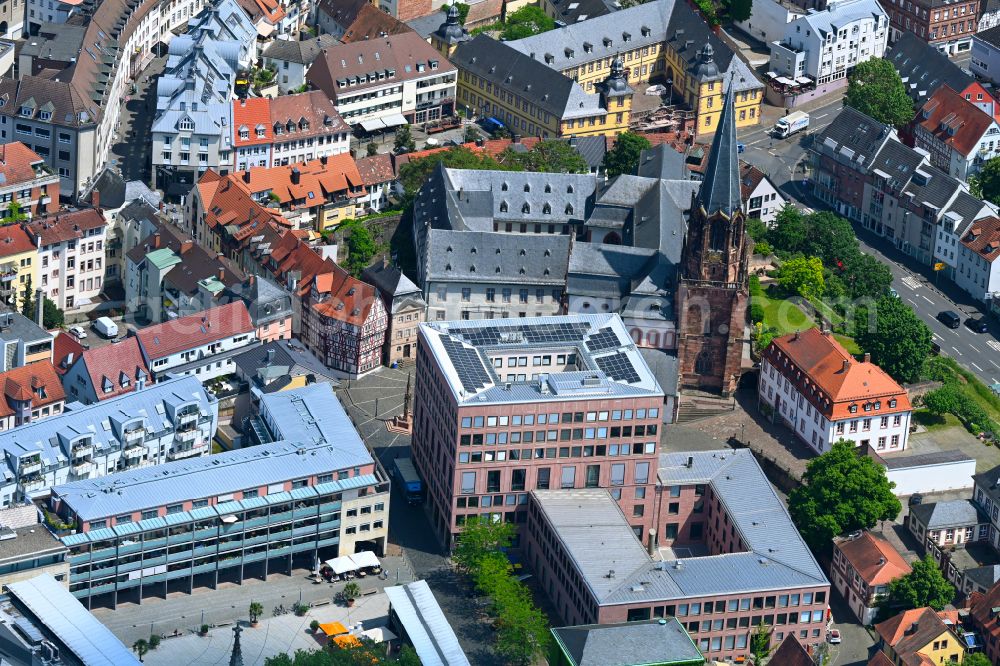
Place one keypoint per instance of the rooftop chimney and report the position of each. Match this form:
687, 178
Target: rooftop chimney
868, 357
246, 176
651, 542
323, 159
222, 273
847, 364
296, 175
690, 462
186, 245
270, 357
95, 199
156, 240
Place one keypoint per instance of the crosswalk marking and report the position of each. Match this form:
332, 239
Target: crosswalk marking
995, 344
911, 282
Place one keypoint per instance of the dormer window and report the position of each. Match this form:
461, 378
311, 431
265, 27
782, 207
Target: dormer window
504, 187
526, 208
546, 209
503, 206
186, 125
527, 187
892, 403
548, 188
569, 189
27, 111
260, 131
244, 133
569, 209
853, 409
45, 115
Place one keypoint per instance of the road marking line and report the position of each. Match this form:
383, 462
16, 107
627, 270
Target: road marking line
957, 352
995, 344
976, 348
977, 367
927, 299
939, 337
823, 116
994, 363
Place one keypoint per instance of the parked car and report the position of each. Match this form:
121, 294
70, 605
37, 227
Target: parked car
78, 332
977, 324
949, 318
833, 636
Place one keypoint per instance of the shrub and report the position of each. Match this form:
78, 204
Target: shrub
154, 641
352, 590
756, 313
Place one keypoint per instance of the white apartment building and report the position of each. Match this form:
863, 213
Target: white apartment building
761, 198
386, 82
824, 45
71, 251
201, 345
978, 270
812, 384
957, 134
172, 420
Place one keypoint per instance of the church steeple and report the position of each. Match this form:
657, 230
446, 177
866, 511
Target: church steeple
720, 191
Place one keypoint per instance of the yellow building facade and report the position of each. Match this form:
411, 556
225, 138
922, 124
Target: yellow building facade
529, 98
18, 266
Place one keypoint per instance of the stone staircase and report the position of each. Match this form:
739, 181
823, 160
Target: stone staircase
696, 405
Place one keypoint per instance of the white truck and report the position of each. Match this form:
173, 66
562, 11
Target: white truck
790, 124
106, 327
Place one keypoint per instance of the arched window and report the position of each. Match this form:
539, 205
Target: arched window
703, 364
717, 239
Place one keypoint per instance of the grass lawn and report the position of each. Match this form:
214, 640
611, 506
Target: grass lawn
849, 344
934, 422
782, 314
969, 384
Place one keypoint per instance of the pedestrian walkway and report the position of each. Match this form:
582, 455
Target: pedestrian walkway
276, 635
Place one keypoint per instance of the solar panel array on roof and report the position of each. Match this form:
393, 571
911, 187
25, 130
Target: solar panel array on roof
468, 365
603, 339
618, 367
522, 333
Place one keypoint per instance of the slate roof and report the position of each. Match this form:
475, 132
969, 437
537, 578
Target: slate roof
192, 264
854, 137
502, 65
293, 359
991, 36
663, 642
202, 328
118, 366
302, 52
497, 257
662, 161
400, 54
923, 68
720, 189
989, 483
389, 280
597, 537
576, 11
110, 187
943, 515
266, 301
600, 37
343, 12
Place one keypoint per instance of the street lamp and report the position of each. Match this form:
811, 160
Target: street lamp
670, 90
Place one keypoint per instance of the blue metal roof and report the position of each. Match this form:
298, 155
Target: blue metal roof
125, 529
318, 438
426, 626
61, 614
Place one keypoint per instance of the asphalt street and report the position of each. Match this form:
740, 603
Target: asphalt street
783, 162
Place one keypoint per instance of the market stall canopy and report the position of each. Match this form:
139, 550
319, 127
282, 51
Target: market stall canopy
341, 565
333, 629
365, 558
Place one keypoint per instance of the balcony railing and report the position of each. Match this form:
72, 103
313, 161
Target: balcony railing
83, 450
137, 434
32, 483
82, 467
188, 435
134, 451
31, 467
179, 453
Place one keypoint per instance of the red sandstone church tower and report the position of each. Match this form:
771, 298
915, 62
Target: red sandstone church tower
712, 293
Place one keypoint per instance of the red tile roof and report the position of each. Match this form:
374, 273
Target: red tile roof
38, 382
66, 349
314, 107
981, 607
115, 363
195, 330
911, 631
983, 238
372, 23
17, 163
952, 120
375, 169
874, 558
830, 378
228, 203
66, 226
252, 114
879, 659
317, 181
750, 178
15, 240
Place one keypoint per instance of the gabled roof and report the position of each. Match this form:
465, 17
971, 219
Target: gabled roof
923, 67
18, 164
910, 632
829, 377
950, 514
66, 349
983, 238
318, 179
952, 120
372, 23
38, 382
981, 607
252, 115
303, 52
854, 137
228, 204
114, 369
874, 558
791, 653
195, 330
375, 169
15, 240
66, 226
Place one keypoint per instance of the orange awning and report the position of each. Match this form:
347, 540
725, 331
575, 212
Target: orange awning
333, 629
346, 641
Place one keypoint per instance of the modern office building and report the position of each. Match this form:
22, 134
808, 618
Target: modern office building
506, 406
172, 420
734, 559
311, 491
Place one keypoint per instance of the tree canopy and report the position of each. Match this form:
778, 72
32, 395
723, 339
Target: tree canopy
624, 155
361, 248
551, 155
404, 143
14, 214
986, 183
875, 89
525, 22
925, 585
738, 10
802, 276
894, 335
366, 653
841, 492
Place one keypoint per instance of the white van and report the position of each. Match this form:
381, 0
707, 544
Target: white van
106, 327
